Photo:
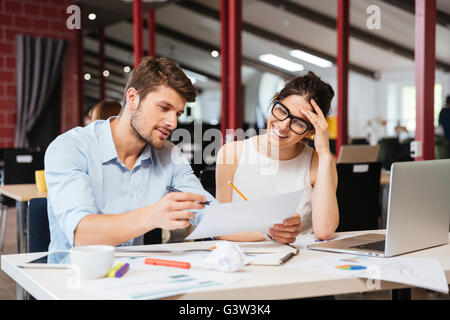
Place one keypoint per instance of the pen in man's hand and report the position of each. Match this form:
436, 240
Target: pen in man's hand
172, 189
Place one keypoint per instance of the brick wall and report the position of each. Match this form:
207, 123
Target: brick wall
39, 18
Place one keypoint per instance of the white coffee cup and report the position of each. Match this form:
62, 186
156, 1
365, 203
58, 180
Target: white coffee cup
93, 261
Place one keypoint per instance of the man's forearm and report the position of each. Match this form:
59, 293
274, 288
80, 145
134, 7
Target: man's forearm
112, 229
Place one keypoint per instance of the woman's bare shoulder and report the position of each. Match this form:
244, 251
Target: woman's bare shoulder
230, 152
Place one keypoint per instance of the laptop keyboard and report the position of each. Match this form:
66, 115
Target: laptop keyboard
376, 246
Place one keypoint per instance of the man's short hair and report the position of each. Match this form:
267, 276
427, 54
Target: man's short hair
154, 72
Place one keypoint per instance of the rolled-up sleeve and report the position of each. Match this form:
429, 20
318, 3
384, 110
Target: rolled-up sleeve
70, 196
184, 179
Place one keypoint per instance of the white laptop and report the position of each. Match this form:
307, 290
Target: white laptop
358, 153
418, 213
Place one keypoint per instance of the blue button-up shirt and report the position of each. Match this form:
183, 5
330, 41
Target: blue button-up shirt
85, 176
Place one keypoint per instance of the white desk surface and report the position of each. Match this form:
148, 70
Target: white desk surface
259, 282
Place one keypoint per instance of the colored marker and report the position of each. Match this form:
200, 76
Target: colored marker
122, 270
168, 263
113, 270
231, 184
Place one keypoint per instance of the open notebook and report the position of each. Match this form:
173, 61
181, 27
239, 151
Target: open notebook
267, 253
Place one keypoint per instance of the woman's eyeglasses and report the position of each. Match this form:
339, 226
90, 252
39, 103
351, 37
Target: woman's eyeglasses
296, 124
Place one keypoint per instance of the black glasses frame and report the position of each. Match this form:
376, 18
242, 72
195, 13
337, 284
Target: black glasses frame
290, 116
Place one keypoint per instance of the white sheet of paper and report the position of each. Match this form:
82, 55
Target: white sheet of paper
253, 215
418, 272
304, 240
147, 282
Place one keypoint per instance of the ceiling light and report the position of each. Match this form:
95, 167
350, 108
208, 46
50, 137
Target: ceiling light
281, 62
92, 16
126, 69
106, 73
311, 58
214, 53
87, 76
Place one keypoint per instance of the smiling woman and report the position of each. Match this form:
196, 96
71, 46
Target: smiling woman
280, 161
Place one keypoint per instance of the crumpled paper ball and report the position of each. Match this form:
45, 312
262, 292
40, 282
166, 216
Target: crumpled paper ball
226, 257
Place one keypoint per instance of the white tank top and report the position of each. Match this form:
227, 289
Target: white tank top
258, 176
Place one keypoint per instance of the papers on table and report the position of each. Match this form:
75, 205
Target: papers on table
152, 282
254, 215
418, 272
303, 241
257, 253
146, 282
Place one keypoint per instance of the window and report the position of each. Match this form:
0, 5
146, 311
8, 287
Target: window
408, 111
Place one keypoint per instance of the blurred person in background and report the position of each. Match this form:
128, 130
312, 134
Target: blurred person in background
103, 111
444, 118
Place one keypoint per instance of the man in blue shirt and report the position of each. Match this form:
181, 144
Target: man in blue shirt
444, 118
107, 182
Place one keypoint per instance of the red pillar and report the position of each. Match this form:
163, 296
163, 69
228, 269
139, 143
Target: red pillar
231, 59
151, 32
234, 64
101, 57
425, 59
224, 65
137, 31
343, 29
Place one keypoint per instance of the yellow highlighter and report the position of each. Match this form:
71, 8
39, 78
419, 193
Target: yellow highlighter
113, 270
240, 193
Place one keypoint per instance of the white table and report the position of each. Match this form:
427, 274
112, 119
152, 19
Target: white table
260, 282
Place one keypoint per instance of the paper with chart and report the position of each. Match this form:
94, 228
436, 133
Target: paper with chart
418, 272
147, 282
253, 215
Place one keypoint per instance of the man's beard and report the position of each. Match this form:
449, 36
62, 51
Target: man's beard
148, 140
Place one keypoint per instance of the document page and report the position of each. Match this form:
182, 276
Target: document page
253, 215
419, 272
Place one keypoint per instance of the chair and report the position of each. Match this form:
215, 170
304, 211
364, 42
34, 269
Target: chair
359, 141
442, 148
19, 168
208, 179
405, 150
390, 151
358, 195
39, 231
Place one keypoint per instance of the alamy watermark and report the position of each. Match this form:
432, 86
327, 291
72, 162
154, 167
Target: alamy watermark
206, 147
373, 281
373, 22
74, 19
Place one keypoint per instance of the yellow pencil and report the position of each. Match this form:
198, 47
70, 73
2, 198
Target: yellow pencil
231, 184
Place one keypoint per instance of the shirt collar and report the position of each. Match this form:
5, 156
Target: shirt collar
146, 154
108, 148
